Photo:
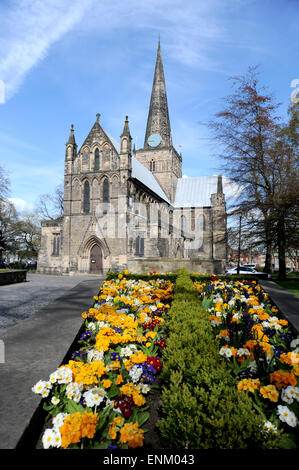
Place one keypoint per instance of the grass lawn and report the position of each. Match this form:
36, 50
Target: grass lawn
291, 285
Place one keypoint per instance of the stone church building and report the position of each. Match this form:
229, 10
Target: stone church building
131, 208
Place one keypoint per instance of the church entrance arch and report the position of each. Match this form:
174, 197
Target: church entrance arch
96, 260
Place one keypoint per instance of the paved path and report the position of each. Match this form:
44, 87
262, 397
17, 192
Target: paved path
287, 302
36, 346
19, 301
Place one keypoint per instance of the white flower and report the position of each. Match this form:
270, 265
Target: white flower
64, 375
135, 373
56, 438
252, 366
128, 350
55, 400
285, 397
144, 388
48, 438
269, 426
225, 352
295, 343
290, 393
40, 387
91, 326
94, 355
58, 420
286, 415
243, 352
94, 397
45, 393
73, 391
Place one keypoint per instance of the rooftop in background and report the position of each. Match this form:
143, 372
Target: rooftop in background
195, 192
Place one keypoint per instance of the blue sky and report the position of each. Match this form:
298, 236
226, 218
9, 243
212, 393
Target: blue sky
63, 61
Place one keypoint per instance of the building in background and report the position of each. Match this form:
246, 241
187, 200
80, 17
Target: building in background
131, 208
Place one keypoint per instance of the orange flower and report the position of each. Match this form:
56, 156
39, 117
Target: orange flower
77, 426
131, 434
269, 392
282, 379
248, 384
119, 380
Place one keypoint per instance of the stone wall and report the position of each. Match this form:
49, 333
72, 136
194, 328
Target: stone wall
163, 265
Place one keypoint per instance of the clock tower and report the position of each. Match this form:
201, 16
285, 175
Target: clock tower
158, 153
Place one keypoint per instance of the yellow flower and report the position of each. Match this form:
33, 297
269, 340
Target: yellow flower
77, 426
270, 392
106, 383
131, 434
248, 384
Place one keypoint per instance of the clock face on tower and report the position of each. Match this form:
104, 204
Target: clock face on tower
154, 140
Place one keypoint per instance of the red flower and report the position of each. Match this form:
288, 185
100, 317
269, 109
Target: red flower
155, 362
213, 278
154, 271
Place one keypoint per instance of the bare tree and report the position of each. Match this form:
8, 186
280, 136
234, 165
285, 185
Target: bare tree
50, 206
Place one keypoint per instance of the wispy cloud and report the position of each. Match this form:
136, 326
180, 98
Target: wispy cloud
22, 206
29, 29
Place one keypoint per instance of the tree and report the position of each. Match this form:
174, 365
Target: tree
28, 234
257, 155
50, 206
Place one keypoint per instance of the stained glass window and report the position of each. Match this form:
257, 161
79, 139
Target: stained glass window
86, 198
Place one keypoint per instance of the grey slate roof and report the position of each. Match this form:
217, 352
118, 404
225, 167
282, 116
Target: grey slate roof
142, 174
195, 192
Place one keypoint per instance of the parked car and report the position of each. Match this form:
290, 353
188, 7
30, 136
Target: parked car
246, 270
31, 264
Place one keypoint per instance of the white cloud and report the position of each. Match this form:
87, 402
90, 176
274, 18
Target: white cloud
30, 28
22, 206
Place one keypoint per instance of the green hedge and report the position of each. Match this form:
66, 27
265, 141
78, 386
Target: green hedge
201, 407
143, 277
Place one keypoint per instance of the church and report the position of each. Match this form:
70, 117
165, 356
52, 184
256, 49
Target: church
129, 208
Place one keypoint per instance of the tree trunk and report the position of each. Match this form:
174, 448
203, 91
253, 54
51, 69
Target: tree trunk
268, 258
281, 247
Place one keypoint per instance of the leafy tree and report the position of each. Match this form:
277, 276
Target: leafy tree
258, 153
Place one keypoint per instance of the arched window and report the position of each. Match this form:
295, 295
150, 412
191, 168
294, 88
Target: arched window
106, 190
201, 223
96, 159
86, 198
152, 165
170, 221
139, 247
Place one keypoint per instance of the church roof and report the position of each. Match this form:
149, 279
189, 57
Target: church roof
195, 192
142, 174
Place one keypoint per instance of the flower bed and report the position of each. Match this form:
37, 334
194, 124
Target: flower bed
201, 407
99, 398
261, 350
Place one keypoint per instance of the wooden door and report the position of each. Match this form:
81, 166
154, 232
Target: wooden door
96, 260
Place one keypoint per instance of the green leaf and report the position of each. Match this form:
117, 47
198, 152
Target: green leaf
142, 418
73, 407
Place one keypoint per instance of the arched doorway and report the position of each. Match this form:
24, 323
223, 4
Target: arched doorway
96, 260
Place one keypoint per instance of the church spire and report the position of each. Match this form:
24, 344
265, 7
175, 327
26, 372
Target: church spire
158, 117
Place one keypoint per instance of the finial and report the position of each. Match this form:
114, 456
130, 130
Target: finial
72, 127
98, 116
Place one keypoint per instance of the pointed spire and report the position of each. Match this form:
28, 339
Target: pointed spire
158, 117
71, 140
126, 130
